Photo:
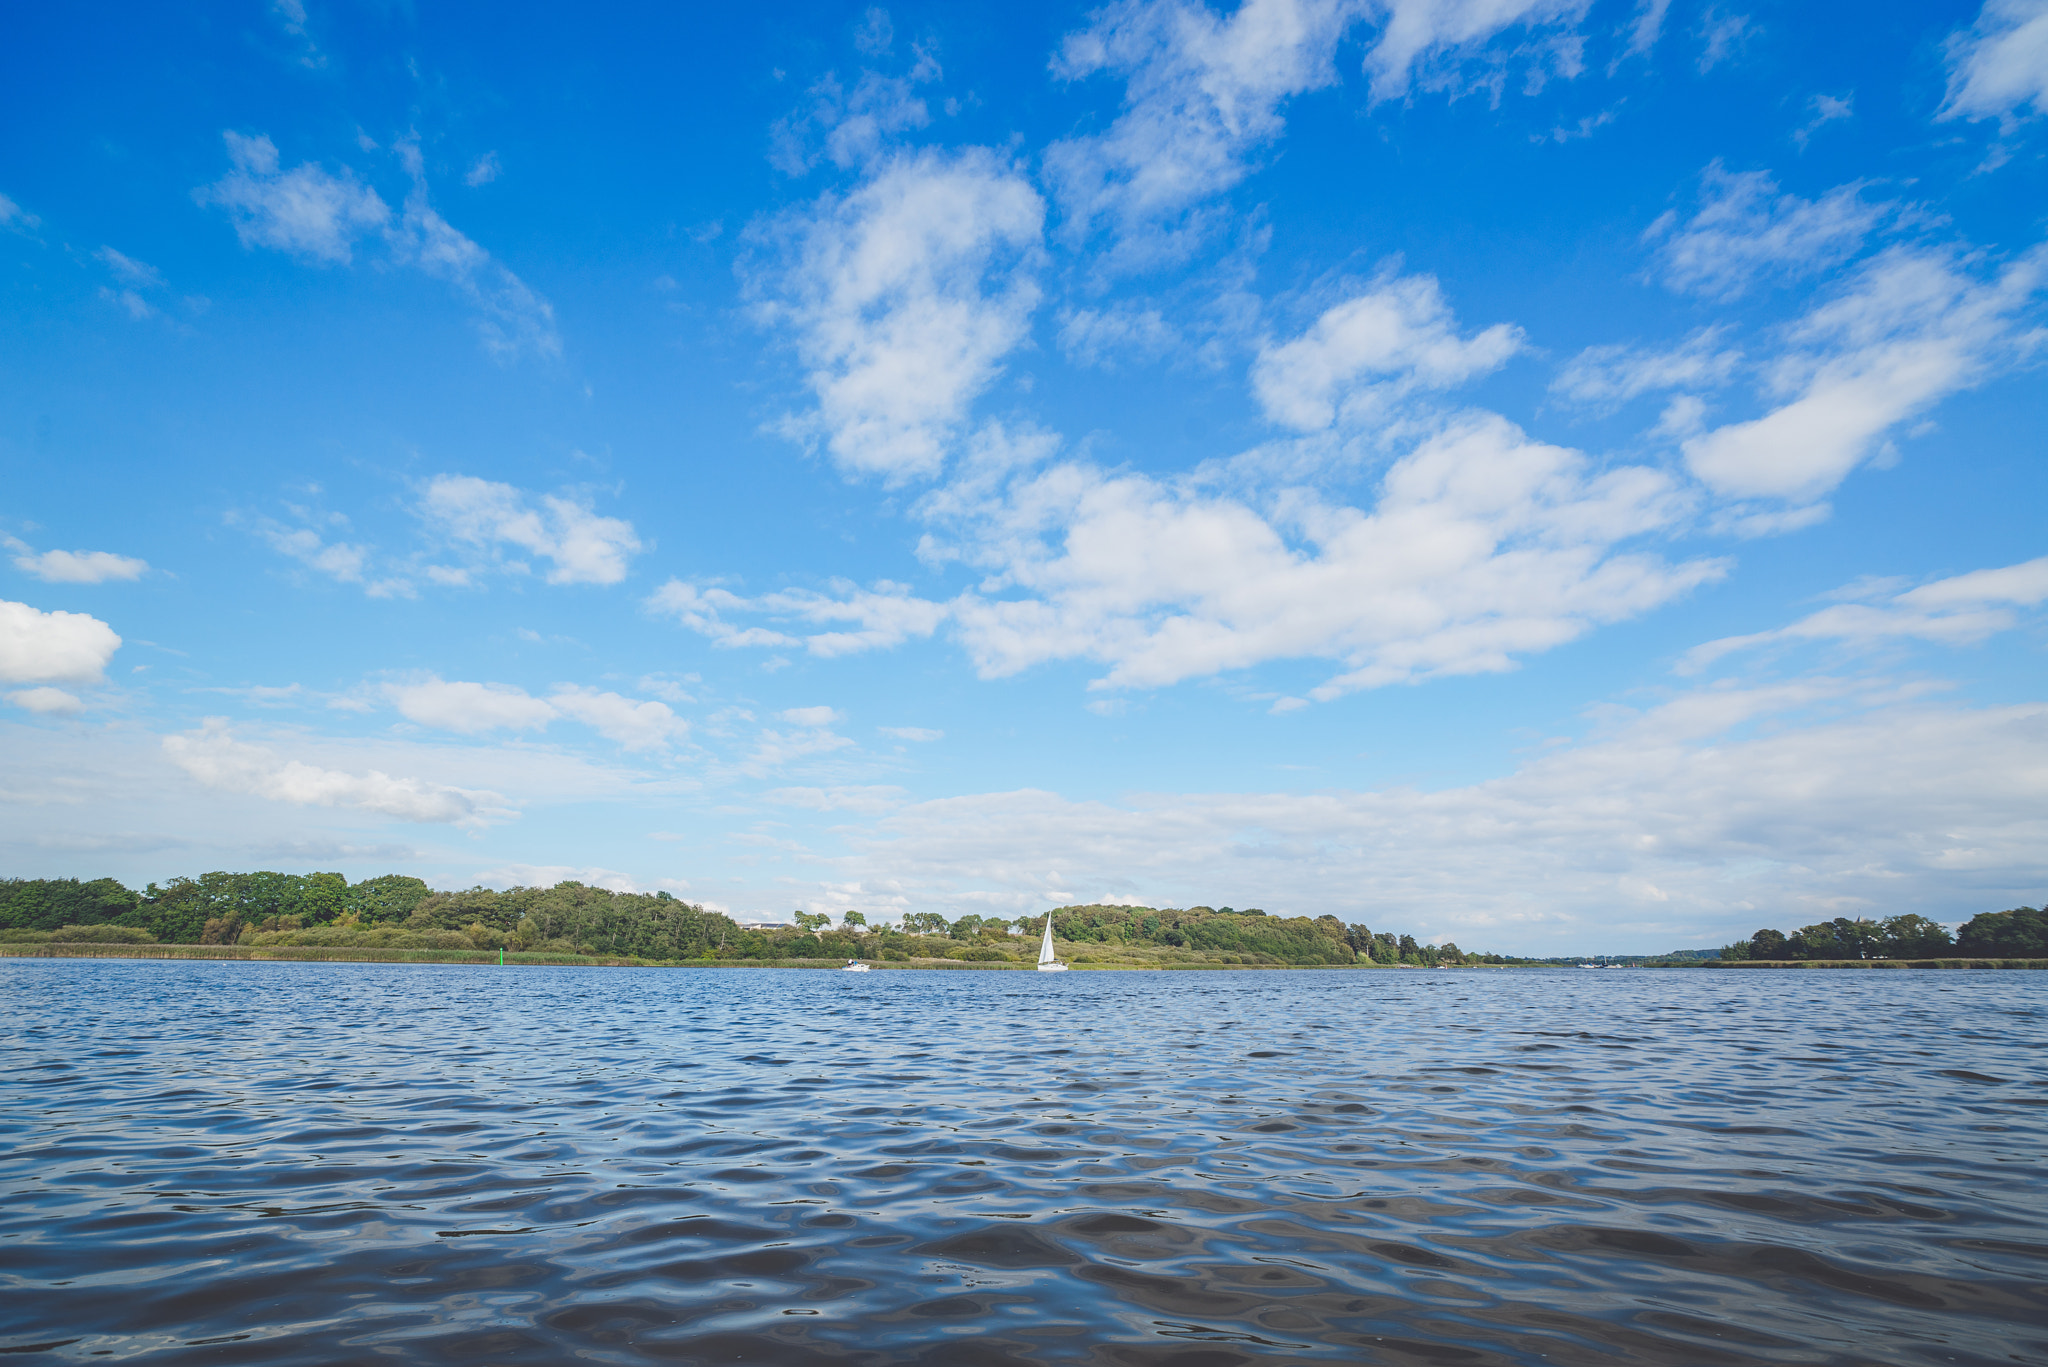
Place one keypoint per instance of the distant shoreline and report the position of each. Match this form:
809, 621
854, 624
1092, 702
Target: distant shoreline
514, 959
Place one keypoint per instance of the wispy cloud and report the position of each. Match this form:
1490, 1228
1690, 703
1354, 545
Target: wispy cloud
74, 567
484, 516
1960, 610
215, 758
1998, 67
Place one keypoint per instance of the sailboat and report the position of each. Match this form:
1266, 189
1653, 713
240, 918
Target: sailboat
1046, 962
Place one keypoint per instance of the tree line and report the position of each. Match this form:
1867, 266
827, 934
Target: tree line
2021, 933
400, 912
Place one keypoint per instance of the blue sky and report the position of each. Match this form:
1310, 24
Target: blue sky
1553, 476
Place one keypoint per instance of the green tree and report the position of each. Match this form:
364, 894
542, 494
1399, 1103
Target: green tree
812, 921
852, 919
1769, 944
2021, 933
1913, 937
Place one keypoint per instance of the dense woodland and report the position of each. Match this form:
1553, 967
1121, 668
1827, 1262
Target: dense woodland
2021, 933
397, 912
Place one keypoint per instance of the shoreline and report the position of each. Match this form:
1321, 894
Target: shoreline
520, 959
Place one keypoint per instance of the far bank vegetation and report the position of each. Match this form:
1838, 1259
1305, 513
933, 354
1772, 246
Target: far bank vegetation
395, 912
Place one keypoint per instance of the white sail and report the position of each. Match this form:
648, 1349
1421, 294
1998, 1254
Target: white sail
1046, 962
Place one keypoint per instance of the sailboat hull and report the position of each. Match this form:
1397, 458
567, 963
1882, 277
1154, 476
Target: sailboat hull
1052, 968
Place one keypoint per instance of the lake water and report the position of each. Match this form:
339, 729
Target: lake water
309, 1163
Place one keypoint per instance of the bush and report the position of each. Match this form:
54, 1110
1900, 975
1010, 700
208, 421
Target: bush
100, 935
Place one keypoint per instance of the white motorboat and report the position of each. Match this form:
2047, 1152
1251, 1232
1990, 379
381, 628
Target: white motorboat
855, 966
1046, 962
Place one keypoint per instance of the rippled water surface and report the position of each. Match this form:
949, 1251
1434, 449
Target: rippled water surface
332, 1163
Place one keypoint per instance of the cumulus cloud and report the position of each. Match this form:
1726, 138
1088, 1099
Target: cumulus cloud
216, 759
1999, 65
1361, 354
1693, 822
812, 716
1483, 546
306, 211
902, 299
585, 547
74, 567
1911, 327
632, 723
1603, 378
470, 708
1959, 610
916, 734
1745, 232
46, 701
473, 708
39, 647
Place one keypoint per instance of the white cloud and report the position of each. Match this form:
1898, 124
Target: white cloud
585, 548
216, 759
514, 321
304, 211
474, 708
1482, 546
1721, 34
850, 128
1103, 339
1745, 232
1604, 378
548, 875
1438, 37
885, 615
1202, 94
342, 562
1826, 109
634, 723
483, 171
74, 567
16, 218
1693, 823
903, 297
53, 647
1646, 27
1912, 327
471, 708
128, 270
915, 734
867, 799
1361, 354
1960, 610
812, 716
1999, 65
46, 701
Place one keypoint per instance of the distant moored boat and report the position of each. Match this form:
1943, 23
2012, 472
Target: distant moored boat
855, 966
